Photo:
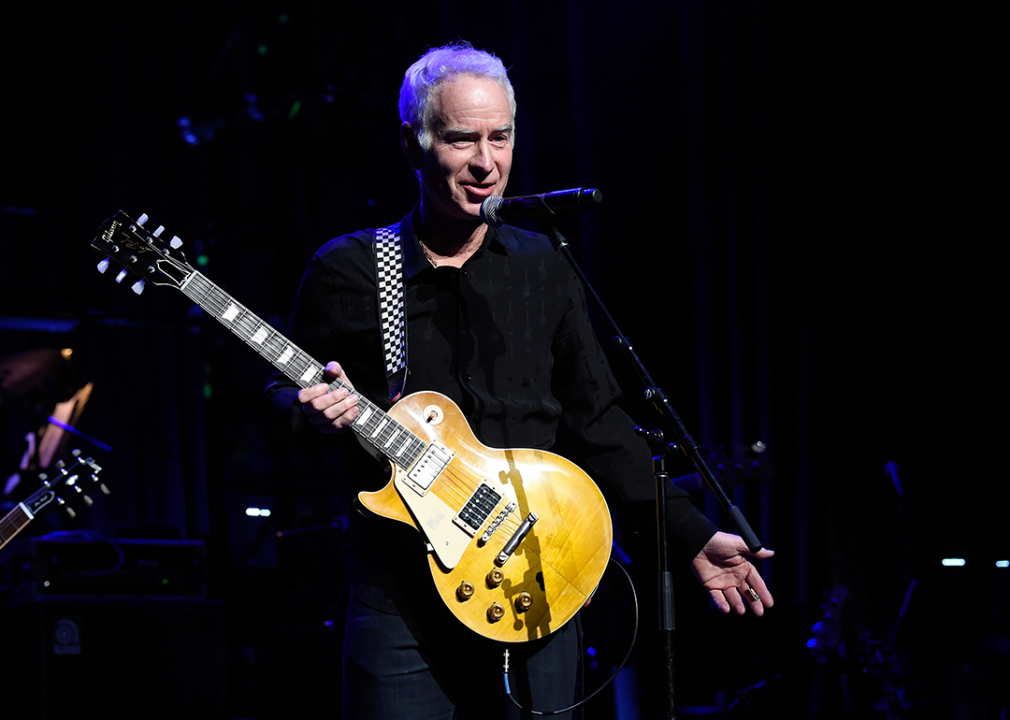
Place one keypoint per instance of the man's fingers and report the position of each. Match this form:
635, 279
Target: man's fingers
307, 395
737, 603
728, 600
757, 585
330, 411
344, 403
334, 370
719, 600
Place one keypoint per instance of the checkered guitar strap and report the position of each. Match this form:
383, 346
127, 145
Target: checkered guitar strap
389, 277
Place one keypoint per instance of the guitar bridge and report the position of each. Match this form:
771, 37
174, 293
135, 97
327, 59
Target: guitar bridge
493, 527
477, 509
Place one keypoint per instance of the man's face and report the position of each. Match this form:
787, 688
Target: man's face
471, 153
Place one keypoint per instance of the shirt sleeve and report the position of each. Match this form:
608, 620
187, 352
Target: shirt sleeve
308, 328
594, 429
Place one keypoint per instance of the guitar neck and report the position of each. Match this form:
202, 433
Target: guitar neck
13, 523
373, 425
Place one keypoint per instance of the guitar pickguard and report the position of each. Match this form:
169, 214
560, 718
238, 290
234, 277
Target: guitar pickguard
446, 510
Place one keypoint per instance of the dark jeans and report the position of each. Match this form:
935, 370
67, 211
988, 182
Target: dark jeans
433, 667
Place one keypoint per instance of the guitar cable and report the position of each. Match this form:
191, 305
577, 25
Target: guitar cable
583, 701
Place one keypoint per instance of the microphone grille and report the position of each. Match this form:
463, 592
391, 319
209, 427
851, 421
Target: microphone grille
489, 210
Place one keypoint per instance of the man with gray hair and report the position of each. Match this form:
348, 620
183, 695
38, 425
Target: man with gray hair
496, 321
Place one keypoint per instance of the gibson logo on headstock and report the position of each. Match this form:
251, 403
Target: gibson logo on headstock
107, 235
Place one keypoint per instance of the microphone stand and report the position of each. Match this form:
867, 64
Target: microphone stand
671, 434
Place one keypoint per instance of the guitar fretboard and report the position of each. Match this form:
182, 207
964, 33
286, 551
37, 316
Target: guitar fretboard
373, 425
12, 523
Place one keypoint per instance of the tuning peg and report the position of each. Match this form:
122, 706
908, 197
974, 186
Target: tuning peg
62, 503
138, 287
88, 501
175, 243
103, 266
159, 231
105, 490
60, 464
120, 276
142, 219
76, 452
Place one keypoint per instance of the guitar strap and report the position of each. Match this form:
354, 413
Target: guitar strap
392, 322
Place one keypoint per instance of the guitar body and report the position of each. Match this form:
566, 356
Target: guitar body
559, 561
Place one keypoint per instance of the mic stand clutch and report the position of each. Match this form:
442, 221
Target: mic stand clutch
670, 434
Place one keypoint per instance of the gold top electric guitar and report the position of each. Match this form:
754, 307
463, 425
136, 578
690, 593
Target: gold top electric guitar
517, 539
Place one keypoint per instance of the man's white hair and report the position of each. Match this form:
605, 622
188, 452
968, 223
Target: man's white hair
425, 76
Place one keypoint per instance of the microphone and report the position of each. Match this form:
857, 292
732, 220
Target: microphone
497, 210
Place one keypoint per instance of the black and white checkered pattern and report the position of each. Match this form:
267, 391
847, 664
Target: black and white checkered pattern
389, 276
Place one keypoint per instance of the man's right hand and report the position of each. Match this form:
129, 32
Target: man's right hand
331, 412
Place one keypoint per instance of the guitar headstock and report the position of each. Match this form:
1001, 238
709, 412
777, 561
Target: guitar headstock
67, 486
144, 253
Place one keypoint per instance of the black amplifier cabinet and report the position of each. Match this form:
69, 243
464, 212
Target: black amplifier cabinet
110, 629
58, 565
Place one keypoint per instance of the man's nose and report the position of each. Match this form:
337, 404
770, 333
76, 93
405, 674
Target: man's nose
481, 159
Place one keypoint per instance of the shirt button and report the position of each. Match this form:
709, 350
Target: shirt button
466, 376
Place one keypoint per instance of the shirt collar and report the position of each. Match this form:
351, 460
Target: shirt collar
502, 239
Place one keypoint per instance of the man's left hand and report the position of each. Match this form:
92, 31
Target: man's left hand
732, 582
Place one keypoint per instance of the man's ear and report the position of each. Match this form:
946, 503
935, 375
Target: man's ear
411, 147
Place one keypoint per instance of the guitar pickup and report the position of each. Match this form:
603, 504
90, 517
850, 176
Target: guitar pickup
428, 467
478, 509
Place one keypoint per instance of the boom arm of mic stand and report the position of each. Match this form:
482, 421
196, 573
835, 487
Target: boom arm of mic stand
671, 422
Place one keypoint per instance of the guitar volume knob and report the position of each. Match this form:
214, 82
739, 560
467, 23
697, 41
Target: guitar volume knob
524, 601
495, 578
495, 613
465, 591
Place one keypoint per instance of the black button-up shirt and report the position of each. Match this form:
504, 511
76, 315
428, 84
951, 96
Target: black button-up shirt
506, 337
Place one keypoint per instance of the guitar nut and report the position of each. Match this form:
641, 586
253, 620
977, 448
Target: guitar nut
465, 591
495, 578
524, 601
495, 613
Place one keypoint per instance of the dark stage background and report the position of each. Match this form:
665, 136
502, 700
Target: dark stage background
792, 236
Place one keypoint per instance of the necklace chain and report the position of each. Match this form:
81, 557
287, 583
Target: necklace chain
427, 254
